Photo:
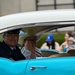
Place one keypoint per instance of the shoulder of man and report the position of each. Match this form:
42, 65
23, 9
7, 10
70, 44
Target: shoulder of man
2, 44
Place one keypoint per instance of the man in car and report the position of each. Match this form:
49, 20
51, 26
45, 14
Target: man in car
9, 48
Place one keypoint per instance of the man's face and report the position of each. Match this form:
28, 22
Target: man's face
11, 39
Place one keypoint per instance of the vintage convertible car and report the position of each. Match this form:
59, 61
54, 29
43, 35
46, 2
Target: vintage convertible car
38, 22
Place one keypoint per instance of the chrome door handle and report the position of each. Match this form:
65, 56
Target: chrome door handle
34, 67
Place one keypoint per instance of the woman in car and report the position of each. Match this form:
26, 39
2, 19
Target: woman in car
29, 49
50, 43
65, 43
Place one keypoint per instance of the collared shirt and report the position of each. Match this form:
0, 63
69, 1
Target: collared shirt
12, 48
27, 53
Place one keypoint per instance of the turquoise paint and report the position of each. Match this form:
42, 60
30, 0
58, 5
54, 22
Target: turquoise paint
54, 66
8, 67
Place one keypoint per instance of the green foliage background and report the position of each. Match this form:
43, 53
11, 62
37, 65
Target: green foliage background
59, 37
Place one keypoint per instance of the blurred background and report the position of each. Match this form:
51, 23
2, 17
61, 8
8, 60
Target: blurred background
18, 6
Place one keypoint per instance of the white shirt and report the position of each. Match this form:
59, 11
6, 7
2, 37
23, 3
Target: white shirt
44, 46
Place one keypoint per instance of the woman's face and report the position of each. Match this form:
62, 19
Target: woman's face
66, 36
30, 41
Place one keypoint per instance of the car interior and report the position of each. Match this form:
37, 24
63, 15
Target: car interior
71, 52
60, 55
39, 30
46, 53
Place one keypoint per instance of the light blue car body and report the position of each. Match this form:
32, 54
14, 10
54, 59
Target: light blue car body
41, 66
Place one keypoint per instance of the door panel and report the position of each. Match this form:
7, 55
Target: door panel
52, 66
8, 67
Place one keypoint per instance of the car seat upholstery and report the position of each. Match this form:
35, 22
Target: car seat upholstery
60, 55
47, 53
71, 52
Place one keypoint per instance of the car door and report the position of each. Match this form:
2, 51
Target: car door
52, 66
8, 67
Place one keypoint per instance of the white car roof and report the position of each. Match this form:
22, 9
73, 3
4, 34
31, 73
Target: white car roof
34, 17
